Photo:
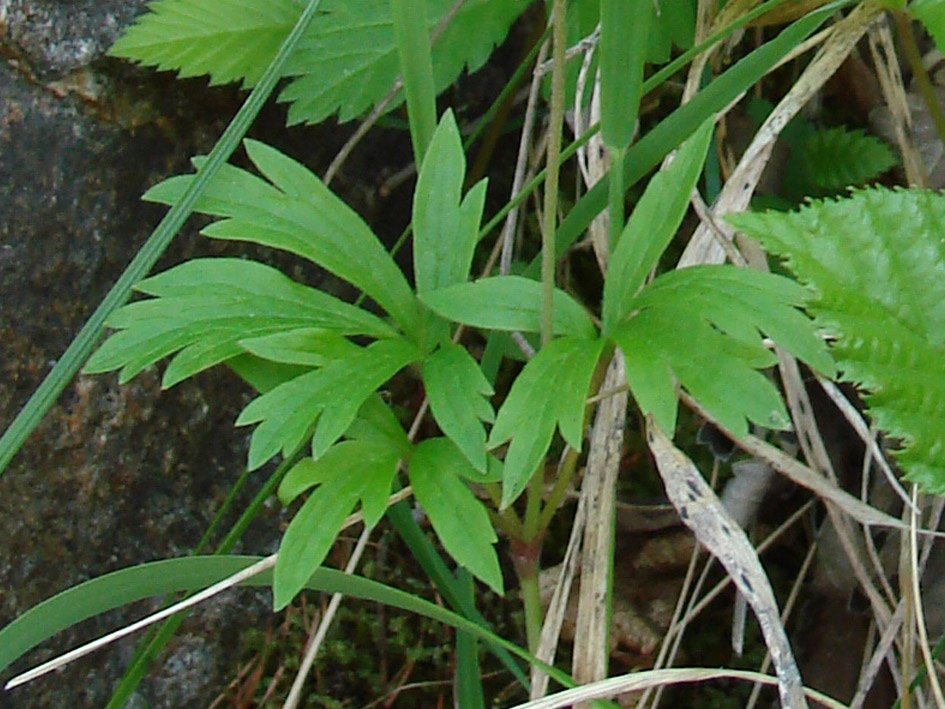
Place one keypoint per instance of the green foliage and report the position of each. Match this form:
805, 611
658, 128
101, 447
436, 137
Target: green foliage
701, 326
345, 63
457, 389
229, 41
932, 14
445, 227
824, 161
348, 471
460, 520
835, 158
331, 395
624, 28
510, 303
550, 391
292, 210
203, 308
876, 264
651, 226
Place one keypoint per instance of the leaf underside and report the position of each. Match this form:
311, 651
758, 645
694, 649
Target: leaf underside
876, 264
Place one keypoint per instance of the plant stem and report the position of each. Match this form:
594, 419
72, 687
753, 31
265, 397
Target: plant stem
616, 195
525, 557
559, 47
560, 489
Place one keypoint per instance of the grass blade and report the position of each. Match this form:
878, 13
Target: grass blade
416, 66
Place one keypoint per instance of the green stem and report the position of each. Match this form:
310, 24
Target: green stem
533, 507
525, 558
559, 490
559, 47
616, 195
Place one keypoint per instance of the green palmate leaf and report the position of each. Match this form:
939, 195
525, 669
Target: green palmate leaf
331, 396
549, 391
294, 211
932, 14
876, 263
376, 422
459, 519
702, 327
348, 471
345, 62
445, 229
457, 389
205, 307
508, 303
651, 227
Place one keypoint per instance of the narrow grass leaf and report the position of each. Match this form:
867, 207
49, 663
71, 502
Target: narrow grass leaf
154, 578
652, 147
416, 68
624, 31
459, 519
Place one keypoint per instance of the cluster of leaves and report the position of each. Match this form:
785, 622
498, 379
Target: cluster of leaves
701, 328
351, 41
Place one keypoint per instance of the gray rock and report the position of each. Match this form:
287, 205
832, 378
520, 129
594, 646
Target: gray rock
55, 37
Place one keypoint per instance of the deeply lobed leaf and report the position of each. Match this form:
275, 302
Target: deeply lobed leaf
330, 396
445, 228
457, 389
294, 211
550, 391
876, 263
348, 471
702, 327
204, 308
459, 519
